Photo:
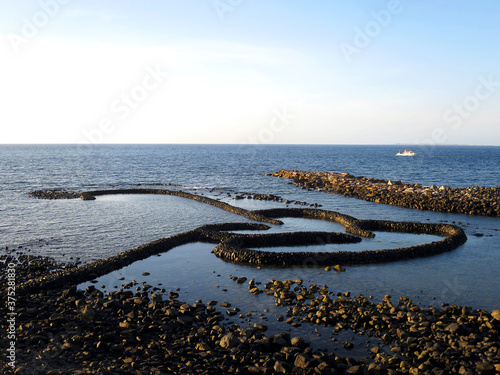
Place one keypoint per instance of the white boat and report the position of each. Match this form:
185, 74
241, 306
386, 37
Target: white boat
406, 153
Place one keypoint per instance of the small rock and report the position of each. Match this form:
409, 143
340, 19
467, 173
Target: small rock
260, 327
230, 340
339, 268
453, 328
87, 313
302, 361
495, 314
279, 367
348, 345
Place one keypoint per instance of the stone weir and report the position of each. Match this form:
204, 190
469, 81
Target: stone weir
208, 233
234, 247
484, 201
90, 195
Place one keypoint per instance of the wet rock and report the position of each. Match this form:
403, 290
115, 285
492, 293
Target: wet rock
339, 268
229, 340
87, 313
348, 345
496, 314
453, 328
302, 361
260, 327
467, 200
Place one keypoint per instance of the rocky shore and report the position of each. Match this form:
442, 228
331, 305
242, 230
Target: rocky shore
473, 200
71, 331
452, 340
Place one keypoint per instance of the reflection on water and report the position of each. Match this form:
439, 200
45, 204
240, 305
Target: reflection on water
200, 275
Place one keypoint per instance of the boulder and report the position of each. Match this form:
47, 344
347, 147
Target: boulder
302, 361
87, 313
453, 328
230, 340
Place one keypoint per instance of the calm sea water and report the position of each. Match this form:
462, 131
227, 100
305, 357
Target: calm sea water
67, 229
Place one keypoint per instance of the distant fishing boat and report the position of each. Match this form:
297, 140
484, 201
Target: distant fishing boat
406, 153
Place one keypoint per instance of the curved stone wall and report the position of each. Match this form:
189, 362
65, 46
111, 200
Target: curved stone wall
90, 195
234, 247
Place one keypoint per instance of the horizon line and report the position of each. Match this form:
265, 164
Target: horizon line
250, 144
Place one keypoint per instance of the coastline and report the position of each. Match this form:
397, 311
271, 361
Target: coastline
476, 200
66, 330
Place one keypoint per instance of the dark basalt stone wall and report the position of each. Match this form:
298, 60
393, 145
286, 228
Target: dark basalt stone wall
234, 247
90, 195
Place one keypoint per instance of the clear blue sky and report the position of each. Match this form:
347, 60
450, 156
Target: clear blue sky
250, 71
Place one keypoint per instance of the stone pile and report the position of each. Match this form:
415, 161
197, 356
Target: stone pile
475, 200
452, 340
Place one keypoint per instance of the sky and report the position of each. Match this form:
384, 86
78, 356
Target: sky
250, 71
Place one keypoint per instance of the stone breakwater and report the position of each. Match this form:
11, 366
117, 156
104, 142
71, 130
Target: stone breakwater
90, 195
474, 200
232, 247
86, 272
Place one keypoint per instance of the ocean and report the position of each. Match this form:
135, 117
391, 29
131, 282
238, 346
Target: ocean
68, 230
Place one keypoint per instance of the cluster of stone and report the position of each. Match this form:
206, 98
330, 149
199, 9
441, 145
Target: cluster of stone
62, 331
54, 194
474, 200
271, 197
414, 340
86, 332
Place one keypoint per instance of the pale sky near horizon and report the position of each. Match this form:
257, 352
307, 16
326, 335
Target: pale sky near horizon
250, 71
